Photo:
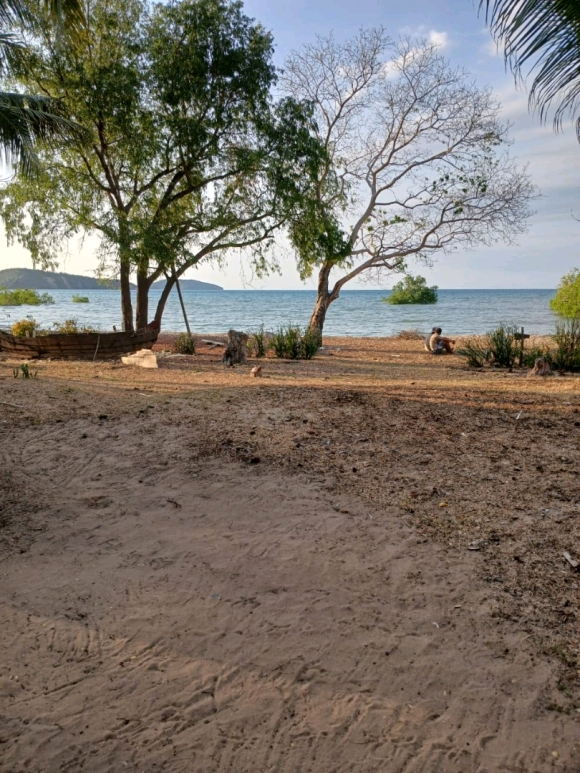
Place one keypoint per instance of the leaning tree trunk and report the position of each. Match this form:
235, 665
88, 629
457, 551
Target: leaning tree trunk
236, 352
161, 303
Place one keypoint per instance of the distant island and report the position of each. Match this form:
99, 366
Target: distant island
191, 284
33, 279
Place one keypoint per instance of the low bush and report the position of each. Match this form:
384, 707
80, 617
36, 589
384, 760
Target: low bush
24, 327
476, 350
80, 299
504, 349
259, 342
23, 298
534, 353
184, 344
71, 327
290, 343
566, 355
498, 347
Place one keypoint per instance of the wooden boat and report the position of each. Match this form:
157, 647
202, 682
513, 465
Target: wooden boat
78, 346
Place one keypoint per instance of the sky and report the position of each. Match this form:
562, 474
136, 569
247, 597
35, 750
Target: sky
549, 249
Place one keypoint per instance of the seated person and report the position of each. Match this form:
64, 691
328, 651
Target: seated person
428, 339
438, 344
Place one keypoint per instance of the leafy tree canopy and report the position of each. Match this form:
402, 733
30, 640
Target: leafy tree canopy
412, 289
566, 303
188, 156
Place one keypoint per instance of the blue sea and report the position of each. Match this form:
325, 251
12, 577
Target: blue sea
355, 313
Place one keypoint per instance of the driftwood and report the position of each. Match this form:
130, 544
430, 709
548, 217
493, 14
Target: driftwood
573, 563
541, 368
236, 352
212, 343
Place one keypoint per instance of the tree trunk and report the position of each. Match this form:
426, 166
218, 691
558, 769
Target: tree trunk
163, 299
126, 302
323, 300
142, 310
237, 351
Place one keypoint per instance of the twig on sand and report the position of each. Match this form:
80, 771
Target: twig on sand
12, 405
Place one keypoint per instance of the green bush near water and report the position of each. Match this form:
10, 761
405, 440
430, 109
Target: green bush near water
24, 298
80, 299
499, 347
566, 303
412, 289
290, 343
184, 344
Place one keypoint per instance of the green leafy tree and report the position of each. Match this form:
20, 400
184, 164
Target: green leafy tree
188, 157
412, 289
566, 302
25, 119
542, 36
414, 167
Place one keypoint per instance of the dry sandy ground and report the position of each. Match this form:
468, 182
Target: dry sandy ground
200, 571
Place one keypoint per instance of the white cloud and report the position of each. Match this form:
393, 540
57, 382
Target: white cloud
438, 39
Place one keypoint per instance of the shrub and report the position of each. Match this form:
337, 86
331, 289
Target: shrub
476, 350
24, 327
260, 342
80, 299
412, 289
184, 344
504, 349
71, 327
291, 344
567, 340
567, 300
532, 354
23, 298
498, 347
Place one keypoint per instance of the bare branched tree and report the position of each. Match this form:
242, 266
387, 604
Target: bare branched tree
416, 162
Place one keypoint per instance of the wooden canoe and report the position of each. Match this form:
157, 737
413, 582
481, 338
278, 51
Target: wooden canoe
78, 346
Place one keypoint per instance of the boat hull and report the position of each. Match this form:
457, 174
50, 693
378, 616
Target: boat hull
78, 346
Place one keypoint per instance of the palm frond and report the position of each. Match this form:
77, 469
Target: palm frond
67, 15
27, 120
544, 37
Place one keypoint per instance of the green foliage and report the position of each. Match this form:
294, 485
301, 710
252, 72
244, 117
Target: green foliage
23, 298
504, 349
476, 350
566, 303
567, 339
71, 327
188, 156
80, 298
532, 354
499, 347
542, 36
25, 370
291, 343
24, 327
412, 289
184, 344
260, 342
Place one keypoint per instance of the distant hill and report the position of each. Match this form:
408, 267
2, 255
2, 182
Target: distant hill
33, 279
192, 284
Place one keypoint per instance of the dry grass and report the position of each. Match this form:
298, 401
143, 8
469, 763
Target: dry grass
482, 459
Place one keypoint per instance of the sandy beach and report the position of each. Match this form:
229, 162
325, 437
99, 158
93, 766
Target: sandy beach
354, 563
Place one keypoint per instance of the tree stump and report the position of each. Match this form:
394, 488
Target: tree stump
236, 352
541, 368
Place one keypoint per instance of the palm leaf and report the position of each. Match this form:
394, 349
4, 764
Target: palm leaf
542, 36
27, 120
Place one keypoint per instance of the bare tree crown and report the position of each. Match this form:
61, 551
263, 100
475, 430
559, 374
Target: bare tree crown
416, 152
